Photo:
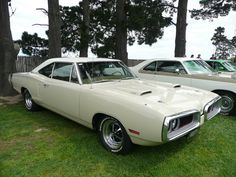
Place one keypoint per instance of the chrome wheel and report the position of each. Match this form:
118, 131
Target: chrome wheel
113, 136
112, 133
28, 100
227, 104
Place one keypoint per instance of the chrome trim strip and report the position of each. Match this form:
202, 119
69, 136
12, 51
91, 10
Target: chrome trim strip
217, 101
182, 131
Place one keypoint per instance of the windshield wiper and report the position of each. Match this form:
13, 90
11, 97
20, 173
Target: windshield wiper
127, 78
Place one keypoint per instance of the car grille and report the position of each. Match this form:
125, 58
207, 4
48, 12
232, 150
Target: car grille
176, 126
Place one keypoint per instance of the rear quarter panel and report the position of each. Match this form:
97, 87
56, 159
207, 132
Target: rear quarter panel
26, 80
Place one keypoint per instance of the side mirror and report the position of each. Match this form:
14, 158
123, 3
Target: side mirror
177, 70
180, 71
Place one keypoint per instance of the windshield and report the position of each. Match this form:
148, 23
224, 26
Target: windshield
198, 67
228, 66
95, 72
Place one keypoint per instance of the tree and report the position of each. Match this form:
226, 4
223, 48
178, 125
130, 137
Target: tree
85, 28
140, 21
33, 45
103, 28
224, 46
7, 52
75, 28
118, 23
71, 19
180, 37
54, 33
213, 8
121, 32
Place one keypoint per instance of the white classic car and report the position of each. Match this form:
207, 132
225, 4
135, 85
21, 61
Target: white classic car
104, 95
191, 72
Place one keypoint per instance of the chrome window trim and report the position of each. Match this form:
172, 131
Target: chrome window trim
76, 70
217, 100
182, 131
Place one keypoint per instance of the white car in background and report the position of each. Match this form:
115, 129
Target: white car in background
104, 95
191, 72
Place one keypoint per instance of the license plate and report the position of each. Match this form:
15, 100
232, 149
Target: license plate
192, 133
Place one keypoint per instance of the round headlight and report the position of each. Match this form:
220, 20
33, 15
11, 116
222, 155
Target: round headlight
173, 125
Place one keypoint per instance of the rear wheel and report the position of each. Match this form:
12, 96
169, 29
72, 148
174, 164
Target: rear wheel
228, 103
113, 136
30, 105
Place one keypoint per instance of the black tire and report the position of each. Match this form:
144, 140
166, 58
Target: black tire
228, 103
113, 136
30, 105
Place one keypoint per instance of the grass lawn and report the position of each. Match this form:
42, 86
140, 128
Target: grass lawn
49, 145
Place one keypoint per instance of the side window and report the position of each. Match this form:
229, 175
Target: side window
74, 77
62, 71
47, 70
150, 67
220, 67
170, 67
211, 64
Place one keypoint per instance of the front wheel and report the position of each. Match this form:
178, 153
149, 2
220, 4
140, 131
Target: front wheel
113, 136
228, 103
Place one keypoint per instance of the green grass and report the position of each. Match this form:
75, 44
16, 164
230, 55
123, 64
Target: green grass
49, 145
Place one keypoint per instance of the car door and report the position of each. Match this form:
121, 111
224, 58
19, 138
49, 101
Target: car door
60, 93
172, 72
148, 72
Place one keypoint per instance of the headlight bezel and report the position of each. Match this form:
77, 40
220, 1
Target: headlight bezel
178, 132
215, 106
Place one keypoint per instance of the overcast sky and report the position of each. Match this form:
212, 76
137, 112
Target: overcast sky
198, 33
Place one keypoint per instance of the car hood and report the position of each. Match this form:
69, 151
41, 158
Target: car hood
155, 93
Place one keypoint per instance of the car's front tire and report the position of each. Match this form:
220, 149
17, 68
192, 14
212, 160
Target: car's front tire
30, 105
228, 103
113, 136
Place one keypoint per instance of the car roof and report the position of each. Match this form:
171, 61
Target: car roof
80, 59
180, 59
176, 59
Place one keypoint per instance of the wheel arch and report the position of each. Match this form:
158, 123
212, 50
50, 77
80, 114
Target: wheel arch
22, 90
218, 91
97, 119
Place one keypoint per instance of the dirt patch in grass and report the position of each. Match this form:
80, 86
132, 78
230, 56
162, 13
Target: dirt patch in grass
10, 100
26, 141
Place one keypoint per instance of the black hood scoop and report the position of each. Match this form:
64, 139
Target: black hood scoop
145, 92
177, 86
